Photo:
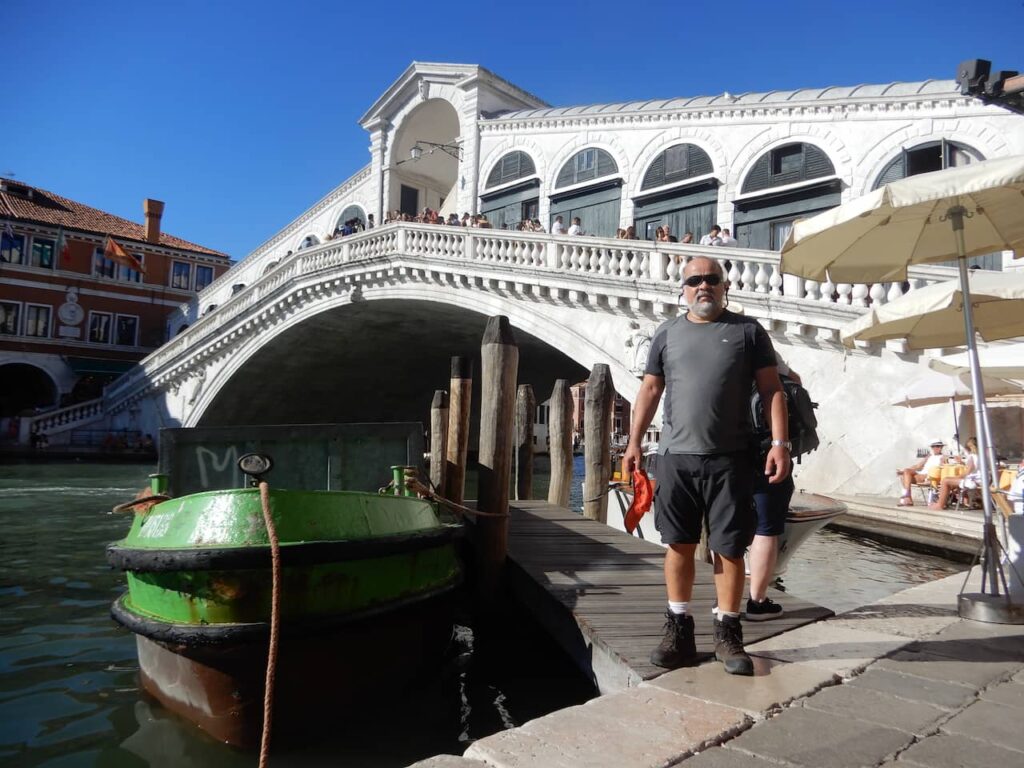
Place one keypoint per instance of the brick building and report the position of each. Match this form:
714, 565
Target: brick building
71, 319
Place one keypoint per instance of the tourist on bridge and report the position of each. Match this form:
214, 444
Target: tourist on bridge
727, 238
576, 228
705, 362
714, 237
558, 228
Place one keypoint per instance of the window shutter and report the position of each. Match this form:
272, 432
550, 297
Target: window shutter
514, 165
894, 171
816, 163
605, 164
760, 175
655, 175
567, 175
699, 163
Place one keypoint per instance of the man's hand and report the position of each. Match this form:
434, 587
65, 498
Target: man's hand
632, 459
777, 465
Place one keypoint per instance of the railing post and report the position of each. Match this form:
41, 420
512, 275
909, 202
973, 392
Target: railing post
499, 367
400, 240
526, 409
469, 246
656, 265
560, 444
551, 254
597, 442
438, 437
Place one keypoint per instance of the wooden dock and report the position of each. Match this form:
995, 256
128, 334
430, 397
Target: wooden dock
601, 593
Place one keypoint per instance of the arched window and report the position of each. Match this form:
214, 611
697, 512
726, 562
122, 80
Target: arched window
788, 164
309, 241
586, 165
927, 157
351, 215
678, 163
272, 265
514, 165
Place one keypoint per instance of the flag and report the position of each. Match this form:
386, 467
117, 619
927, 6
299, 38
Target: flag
63, 250
117, 254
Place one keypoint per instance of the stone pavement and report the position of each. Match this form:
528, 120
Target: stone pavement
902, 683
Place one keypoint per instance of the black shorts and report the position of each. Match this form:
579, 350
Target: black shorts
718, 487
772, 502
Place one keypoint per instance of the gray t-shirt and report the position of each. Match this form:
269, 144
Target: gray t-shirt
708, 370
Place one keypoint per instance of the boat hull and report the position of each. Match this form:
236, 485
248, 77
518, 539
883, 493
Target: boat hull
322, 678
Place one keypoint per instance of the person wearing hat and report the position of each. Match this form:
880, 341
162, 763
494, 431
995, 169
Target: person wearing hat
918, 473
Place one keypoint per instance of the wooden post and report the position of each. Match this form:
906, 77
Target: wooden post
597, 442
526, 411
438, 438
499, 366
560, 443
460, 396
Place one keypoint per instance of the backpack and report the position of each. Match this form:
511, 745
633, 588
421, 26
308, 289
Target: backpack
803, 424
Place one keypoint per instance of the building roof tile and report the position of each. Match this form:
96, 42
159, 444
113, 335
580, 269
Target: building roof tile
45, 207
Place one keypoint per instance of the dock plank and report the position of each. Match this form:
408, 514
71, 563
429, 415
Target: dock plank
601, 593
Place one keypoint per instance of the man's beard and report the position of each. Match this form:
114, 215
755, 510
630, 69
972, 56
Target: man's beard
707, 309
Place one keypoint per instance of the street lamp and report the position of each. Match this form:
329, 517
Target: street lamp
454, 150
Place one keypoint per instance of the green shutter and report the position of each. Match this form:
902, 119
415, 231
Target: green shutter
514, 165
604, 165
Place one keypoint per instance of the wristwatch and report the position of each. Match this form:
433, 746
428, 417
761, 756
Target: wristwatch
784, 443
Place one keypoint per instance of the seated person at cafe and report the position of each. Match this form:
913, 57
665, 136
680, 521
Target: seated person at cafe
969, 480
918, 473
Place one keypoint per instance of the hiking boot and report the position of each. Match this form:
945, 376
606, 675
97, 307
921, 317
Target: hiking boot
677, 647
729, 646
762, 611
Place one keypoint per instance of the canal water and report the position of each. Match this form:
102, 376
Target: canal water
69, 693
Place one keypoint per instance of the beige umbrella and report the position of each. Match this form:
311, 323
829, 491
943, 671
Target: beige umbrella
1002, 362
933, 316
934, 217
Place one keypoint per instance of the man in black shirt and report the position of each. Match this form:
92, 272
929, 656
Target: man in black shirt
704, 362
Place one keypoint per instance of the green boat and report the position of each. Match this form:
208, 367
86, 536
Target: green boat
366, 587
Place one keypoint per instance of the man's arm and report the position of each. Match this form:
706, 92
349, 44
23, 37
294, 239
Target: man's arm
769, 386
644, 408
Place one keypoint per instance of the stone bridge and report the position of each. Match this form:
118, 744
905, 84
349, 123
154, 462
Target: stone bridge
362, 328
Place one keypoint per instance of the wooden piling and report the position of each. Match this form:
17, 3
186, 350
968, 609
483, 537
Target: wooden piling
597, 442
499, 367
526, 410
460, 397
438, 438
560, 443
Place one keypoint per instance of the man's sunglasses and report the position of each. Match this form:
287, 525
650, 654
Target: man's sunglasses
695, 280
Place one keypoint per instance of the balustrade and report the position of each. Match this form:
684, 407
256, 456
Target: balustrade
632, 263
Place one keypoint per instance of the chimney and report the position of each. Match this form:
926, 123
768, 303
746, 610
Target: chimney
153, 209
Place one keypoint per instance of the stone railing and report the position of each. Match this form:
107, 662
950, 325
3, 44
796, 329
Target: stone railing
621, 266
63, 419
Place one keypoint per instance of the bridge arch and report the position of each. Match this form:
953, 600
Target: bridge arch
425, 179
543, 331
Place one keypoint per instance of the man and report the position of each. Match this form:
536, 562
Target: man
713, 237
576, 228
727, 238
705, 362
918, 472
772, 504
558, 228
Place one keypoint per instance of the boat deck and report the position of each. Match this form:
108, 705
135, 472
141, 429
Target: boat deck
600, 592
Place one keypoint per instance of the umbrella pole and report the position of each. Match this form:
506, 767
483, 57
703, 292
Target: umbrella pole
956, 427
990, 605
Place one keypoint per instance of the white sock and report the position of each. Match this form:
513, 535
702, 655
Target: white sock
906, 494
721, 613
678, 609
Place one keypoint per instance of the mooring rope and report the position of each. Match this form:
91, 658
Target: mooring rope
153, 498
275, 620
414, 484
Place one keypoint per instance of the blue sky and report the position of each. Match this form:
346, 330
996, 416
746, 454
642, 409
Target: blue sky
240, 115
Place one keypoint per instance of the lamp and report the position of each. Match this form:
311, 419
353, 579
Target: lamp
417, 151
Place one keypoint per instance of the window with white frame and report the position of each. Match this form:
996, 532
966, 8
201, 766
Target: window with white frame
128, 274
126, 330
99, 327
42, 252
12, 248
204, 276
181, 275
10, 315
37, 320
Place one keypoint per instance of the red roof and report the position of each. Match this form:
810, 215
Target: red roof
47, 208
